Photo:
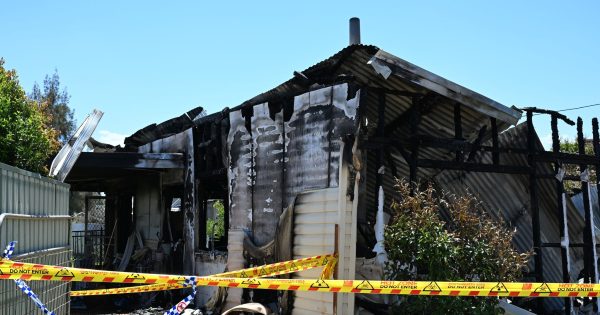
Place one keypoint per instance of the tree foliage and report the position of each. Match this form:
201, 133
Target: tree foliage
55, 104
216, 226
571, 146
471, 246
25, 140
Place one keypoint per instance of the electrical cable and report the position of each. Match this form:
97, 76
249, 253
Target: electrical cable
573, 108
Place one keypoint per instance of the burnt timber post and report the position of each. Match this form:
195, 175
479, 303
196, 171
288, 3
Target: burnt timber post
589, 239
380, 151
495, 151
534, 207
596, 145
458, 133
189, 207
414, 156
561, 209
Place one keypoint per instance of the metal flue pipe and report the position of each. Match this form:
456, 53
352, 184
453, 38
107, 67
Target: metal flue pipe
354, 31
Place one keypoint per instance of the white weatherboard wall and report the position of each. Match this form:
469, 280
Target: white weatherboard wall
347, 218
315, 215
34, 211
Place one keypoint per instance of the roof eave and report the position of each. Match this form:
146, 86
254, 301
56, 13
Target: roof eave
449, 89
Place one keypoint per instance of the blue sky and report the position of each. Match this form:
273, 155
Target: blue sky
147, 61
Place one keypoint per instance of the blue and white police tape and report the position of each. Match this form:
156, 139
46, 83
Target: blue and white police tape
179, 307
27, 290
8, 251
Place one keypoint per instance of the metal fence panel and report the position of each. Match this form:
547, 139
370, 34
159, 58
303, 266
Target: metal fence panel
55, 295
24, 192
34, 211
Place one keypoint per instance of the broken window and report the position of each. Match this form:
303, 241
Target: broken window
215, 223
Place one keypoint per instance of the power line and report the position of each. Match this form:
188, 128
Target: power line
573, 108
580, 107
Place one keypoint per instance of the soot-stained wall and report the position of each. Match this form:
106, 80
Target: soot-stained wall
271, 160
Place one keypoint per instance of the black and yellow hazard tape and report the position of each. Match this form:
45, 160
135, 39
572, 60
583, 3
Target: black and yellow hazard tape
326, 261
24, 271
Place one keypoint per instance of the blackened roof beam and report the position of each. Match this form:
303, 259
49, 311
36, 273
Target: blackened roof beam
129, 160
551, 113
425, 105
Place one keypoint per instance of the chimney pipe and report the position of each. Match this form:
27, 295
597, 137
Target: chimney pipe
354, 31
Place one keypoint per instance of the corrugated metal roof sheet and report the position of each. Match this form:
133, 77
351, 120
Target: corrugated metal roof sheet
507, 197
68, 154
352, 64
165, 129
578, 202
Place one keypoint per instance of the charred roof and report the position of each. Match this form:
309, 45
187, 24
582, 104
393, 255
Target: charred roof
362, 65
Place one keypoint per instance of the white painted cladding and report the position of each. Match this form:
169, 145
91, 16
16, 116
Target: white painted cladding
315, 215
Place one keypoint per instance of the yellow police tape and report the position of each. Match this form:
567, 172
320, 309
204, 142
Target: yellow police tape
328, 261
27, 271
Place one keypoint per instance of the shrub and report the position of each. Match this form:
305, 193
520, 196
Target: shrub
471, 246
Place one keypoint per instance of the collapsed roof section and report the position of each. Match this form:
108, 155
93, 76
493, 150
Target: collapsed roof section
167, 128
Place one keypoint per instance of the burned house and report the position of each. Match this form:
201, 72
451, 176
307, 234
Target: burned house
308, 168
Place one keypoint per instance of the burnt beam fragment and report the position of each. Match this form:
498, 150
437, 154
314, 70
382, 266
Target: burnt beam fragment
378, 143
302, 78
477, 143
473, 167
390, 162
424, 105
495, 149
452, 144
395, 92
565, 158
551, 113
129, 160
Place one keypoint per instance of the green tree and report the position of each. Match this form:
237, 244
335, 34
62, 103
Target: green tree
55, 103
216, 226
471, 246
25, 142
571, 146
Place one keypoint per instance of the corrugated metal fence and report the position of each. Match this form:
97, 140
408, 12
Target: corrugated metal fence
34, 211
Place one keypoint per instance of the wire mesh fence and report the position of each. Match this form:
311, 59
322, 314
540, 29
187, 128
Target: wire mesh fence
95, 211
55, 295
